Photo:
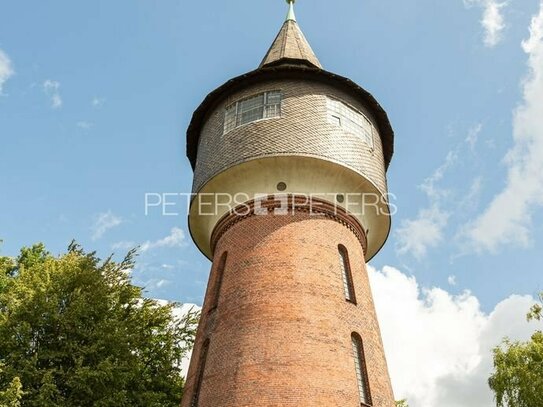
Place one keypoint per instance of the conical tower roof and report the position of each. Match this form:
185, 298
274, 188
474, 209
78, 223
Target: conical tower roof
290, 45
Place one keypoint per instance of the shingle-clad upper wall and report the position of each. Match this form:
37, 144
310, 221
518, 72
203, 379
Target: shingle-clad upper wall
302, 129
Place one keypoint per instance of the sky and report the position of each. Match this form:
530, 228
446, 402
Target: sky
95, 99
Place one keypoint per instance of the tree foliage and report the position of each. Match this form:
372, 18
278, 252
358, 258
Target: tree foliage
517, 380
75, 332
402, 403
536, 312
11, 396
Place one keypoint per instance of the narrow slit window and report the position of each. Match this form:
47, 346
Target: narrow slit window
218, 281
350, 120
265, 105
346, 274
361, 372
200, 374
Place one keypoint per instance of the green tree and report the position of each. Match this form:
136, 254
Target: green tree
11, 397
517, 380
536, 312
76, 332
402, 403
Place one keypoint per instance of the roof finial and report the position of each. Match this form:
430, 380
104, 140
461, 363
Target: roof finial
290, 15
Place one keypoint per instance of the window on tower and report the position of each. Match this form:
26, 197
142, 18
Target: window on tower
346, 274
265, 105
200, 374
350, 120
360, 369
218, 281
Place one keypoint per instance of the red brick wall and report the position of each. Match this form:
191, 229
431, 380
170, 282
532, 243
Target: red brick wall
281, 333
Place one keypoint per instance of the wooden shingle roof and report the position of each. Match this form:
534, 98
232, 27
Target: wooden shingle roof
290, 45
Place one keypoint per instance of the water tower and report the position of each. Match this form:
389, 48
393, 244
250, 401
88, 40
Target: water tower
290, 204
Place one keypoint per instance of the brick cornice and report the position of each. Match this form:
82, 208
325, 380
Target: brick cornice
288, 205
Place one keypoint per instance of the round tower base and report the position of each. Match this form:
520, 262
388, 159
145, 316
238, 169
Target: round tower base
276, 327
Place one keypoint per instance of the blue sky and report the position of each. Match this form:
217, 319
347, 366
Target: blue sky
128, 74
96, 97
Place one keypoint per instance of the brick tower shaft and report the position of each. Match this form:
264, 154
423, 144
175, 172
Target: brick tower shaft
277, 328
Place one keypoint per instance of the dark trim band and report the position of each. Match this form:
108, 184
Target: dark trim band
294, 203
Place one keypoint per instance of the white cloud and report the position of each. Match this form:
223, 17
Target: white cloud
429, 185
438, 345
451, 280
493, 21
176, 238
97, 102
161, 283
470, 200
416, 236
104, 222
123, 245
473, 135
52, 89
507, 220
84, 125
6, 69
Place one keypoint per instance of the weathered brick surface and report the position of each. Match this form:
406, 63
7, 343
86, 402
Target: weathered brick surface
281, 333
302, 130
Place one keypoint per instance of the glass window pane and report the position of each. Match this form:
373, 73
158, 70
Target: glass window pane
360, 367
252, 103
350, 120
251, 115
346, 275
272, 111
273, 98
262, 106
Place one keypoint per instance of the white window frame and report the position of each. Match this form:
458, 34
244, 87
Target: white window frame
361, 370
233, 114
351, 120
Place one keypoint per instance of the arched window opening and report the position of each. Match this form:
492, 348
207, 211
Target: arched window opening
346, 274
218, 281
200, 374
361, 371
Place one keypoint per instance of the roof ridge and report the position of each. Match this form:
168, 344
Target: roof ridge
285, 38
301, 38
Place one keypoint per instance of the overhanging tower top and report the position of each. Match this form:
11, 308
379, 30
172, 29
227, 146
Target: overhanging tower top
289, 58
290, 45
